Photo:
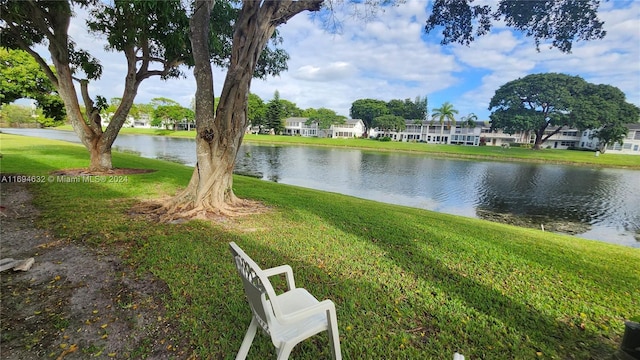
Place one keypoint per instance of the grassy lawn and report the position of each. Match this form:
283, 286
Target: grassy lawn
407, 283
471, 152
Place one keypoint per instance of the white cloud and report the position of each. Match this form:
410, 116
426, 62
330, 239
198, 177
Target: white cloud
339, 70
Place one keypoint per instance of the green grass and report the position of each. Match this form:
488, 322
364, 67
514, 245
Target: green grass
552, 156
407, 283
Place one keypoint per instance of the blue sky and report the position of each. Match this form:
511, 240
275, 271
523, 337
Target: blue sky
390, 57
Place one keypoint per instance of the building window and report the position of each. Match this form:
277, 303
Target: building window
569, 133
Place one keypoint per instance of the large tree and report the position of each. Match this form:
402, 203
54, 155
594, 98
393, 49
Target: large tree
131, 27
220, 134
608, 111
276, 114
367, 110
539, 102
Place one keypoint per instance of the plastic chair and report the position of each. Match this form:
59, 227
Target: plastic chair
288, 318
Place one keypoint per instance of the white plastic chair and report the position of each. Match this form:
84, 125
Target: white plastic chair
288, 318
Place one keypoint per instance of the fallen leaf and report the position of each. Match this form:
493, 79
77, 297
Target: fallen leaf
71, 349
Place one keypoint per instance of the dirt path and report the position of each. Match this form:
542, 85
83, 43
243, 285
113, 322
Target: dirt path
76, 302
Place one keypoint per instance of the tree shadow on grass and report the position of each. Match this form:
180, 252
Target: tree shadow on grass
548, 333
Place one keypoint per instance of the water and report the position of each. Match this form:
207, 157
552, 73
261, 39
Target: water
604, 201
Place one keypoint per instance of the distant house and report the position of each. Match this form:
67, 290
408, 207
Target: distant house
142, 121
353, 128
298, 126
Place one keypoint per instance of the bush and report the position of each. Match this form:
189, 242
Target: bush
384, 138
521, 145
579, 149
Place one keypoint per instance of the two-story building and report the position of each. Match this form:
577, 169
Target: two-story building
353, 128
630, 144
481, 134
299, 126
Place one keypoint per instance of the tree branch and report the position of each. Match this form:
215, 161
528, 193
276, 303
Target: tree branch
95, 122
553, 133
43, 64
286, 12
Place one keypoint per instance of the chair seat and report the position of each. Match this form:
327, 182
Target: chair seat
290, 302
289, 317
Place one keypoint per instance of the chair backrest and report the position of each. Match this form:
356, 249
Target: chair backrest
257, 287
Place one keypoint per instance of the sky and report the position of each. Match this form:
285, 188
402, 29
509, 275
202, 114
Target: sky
391, 57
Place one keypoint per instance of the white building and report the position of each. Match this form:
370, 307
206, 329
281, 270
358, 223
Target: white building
298, 126
482, 134
142, 121
630, 145
353, 128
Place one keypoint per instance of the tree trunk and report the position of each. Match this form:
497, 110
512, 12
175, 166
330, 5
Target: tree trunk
219, 136
537, 144
89, 131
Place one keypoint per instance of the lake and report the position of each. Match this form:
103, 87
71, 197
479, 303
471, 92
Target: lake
594, 203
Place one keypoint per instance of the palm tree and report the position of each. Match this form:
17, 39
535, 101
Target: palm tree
445, 112
470, 120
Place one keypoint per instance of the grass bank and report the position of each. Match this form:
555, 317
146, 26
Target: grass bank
407, 283
468, 152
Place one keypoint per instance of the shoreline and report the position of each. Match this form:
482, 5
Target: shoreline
491, 153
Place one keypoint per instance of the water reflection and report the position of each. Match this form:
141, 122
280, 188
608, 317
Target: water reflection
603, 201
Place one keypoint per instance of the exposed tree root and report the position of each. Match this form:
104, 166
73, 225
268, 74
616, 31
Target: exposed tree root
114, 171
166, 211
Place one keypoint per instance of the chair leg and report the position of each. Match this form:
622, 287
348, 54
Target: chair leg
334, 337
284, 351
248, 339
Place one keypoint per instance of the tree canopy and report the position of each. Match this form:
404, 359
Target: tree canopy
324, 117
389, 122
22, 77
407, 109
256, 110
559, 23
276, 113
172, 115
369, 109
445, 113
539, 101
